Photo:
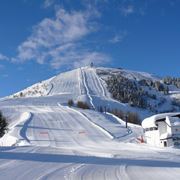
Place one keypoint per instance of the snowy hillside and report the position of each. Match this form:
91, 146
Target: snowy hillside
141, 90
134, 75
71, 82
94, 86
49, 140
39, 89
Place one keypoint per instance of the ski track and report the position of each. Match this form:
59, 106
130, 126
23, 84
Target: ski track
103, 130
51, 121
98, 80
89, 172
59, 142
52, 86
87, 90
52, 172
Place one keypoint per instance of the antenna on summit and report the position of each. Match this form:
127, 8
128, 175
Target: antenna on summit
92, 65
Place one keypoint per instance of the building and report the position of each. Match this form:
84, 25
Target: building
162, 130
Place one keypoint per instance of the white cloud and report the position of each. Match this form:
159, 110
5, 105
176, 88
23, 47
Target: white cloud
3, 57
118, 37
79, 59
48, 3
74, 55
88, 57
57, 41
127, 10
134, 7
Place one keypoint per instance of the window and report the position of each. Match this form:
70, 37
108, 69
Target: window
151, 129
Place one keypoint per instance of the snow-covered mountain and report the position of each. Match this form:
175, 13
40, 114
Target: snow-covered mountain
70, 82
144, 93
49, 140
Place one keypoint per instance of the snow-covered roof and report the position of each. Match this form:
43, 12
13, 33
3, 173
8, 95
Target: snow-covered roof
151, 121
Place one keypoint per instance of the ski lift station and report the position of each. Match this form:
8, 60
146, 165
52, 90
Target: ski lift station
162, 130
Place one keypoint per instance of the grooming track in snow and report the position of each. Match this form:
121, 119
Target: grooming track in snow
49, 140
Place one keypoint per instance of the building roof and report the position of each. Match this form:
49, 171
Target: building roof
151, 121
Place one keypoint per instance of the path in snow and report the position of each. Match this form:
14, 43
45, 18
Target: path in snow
48, 163
66, 143
59, 127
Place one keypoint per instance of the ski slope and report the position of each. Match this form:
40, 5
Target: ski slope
48, 140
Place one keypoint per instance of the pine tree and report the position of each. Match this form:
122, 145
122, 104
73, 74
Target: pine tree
3, 124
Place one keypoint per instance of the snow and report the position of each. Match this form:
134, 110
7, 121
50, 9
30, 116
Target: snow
151, 121
87, 90
36, 90
107, 133
48, 140
135, 75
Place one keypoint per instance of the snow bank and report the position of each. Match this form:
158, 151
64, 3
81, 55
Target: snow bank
9, 139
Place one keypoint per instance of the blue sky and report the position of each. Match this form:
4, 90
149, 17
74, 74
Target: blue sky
40, 38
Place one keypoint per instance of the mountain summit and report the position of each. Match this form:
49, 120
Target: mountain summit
112, 88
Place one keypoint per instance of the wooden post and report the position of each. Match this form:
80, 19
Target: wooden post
105, 109
126, 119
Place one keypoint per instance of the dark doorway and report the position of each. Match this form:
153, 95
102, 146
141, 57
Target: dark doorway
165, 143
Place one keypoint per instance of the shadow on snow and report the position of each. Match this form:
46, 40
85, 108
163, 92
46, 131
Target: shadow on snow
55, 158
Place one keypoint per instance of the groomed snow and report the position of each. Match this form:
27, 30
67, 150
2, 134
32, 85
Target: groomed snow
48, 140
